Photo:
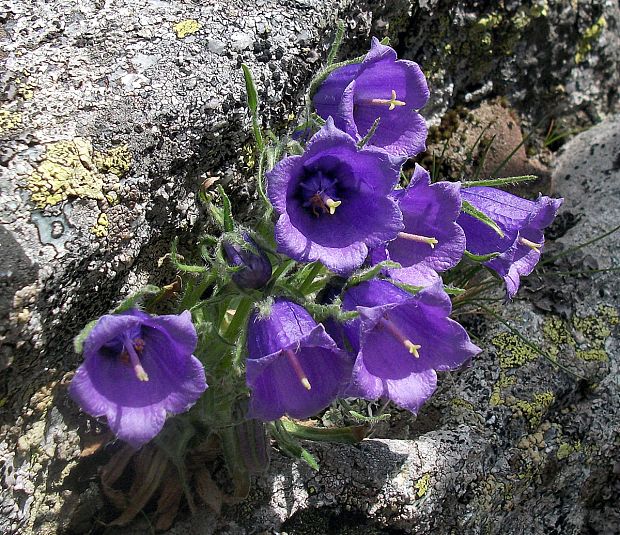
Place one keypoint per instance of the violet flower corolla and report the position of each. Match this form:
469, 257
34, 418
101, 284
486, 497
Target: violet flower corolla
400, 341
333, 201
293, 365
381, 87
431, 241
254, 266
137, 369
521, 222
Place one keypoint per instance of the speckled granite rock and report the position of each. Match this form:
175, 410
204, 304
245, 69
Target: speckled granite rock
112, 113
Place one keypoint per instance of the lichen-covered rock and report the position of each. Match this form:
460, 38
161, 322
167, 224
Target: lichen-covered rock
113, 113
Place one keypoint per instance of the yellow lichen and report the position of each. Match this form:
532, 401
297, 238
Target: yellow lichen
512, 351
533, 411
186, 27
591, 34
593, 355
72, 169
421, 485
116, 161
101, 228
458, 402
9, 120
503, 382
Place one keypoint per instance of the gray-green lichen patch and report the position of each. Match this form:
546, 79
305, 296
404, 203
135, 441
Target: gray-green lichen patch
9, 120
591, 35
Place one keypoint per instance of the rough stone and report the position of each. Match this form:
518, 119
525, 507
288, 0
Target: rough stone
112, 114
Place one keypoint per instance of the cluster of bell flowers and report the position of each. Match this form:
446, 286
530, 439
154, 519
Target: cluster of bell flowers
338, 203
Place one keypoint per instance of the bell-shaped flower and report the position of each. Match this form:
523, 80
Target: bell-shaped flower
401, 340
381, 87
254, 266
333, 201
137, 369
293, 365
521, 222
431, 241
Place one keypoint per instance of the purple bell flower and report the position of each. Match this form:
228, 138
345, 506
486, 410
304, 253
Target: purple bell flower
333, 201
255, 268
379, 87
431, 242
522, 222
293, 366
400, 341
137, 368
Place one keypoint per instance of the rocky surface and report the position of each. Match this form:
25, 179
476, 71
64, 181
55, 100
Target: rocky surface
113, 113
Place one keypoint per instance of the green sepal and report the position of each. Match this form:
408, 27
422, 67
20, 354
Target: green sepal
341, 435
78, 341
174, 258
333, 51
290, 446
362, 142
480, 258
364, 275
492, 182
483, 218
322, 312
136, 298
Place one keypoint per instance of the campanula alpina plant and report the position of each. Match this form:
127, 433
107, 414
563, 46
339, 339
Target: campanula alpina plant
333, 201
400, 341
521, 223
382, 88
138, 369
338, 286
431, 241
294, 368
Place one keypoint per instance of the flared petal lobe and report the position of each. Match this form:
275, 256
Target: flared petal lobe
381, 87
522, 222
401, 340
137, 369
333, 201
432, 241
293, 366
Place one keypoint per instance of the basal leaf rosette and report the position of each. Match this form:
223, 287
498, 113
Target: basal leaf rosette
333, 201
137, 369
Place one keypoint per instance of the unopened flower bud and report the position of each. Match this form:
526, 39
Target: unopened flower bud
255, 268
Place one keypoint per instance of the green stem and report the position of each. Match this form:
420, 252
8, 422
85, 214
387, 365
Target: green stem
577, 247
498, 181
243, 309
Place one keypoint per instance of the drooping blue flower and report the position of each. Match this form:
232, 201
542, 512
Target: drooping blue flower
137, 369
381, 87
293, 366
431, 241
254, 266
333, 201
522, 223
400, 341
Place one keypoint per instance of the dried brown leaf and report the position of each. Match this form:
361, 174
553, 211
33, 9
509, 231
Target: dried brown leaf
207, 489
169, 500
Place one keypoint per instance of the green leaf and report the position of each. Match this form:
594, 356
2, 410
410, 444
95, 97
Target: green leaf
481, 258
78, 341
174, 258
250, 88
492, 182
253, 105
483, 218
229, 223
289, 445
341, 435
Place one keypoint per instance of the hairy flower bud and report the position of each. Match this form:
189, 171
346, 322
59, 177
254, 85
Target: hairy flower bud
255, 268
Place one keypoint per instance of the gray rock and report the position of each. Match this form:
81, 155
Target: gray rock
113, 113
